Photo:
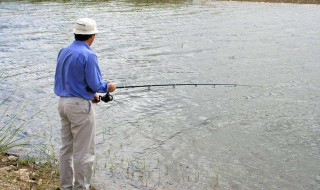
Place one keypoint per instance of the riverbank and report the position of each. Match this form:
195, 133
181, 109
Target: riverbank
20, 174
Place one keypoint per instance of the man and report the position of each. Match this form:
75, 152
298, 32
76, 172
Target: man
77, 81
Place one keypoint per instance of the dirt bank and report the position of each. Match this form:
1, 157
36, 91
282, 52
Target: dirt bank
21, 174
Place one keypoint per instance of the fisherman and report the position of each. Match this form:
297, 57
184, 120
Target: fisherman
77, 81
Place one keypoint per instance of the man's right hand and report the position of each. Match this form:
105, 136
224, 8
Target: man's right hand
96, 98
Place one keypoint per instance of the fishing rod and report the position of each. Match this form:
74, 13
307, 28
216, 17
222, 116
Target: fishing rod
182, 84
108, 97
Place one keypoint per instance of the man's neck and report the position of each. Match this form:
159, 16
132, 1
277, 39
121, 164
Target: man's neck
90, 40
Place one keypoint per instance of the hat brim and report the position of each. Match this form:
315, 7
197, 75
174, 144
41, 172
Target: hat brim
85, 32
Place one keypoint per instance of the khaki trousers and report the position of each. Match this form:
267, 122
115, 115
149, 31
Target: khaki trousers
77, 152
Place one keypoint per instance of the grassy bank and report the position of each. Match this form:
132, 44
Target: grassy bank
22, 174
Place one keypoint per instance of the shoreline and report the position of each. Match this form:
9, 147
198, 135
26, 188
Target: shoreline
20, 173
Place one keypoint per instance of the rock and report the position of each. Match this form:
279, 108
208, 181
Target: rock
4, 169
8, 168
12, 158
23, 174
12, 167
23, 170
31, 181
4, 160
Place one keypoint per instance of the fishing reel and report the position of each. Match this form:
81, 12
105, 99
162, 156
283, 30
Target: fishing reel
106, 98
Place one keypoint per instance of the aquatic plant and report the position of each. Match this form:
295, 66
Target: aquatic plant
146, 173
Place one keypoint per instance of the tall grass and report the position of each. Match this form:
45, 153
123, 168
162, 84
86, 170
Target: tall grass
13, 125
9, 130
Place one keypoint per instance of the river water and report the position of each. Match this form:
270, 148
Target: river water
261, 137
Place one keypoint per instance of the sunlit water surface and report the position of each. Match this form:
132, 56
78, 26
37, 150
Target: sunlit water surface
263, 137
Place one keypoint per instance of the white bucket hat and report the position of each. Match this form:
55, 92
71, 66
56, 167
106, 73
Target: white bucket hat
85, 26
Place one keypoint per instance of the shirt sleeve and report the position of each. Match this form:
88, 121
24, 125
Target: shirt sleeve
93, 75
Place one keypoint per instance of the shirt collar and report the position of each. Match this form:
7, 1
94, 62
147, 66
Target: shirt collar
83, 43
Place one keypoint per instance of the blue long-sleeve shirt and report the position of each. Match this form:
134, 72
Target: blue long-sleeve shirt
77, 72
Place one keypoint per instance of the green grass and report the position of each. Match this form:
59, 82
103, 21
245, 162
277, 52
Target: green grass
9, 130
12, 124
36, 157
